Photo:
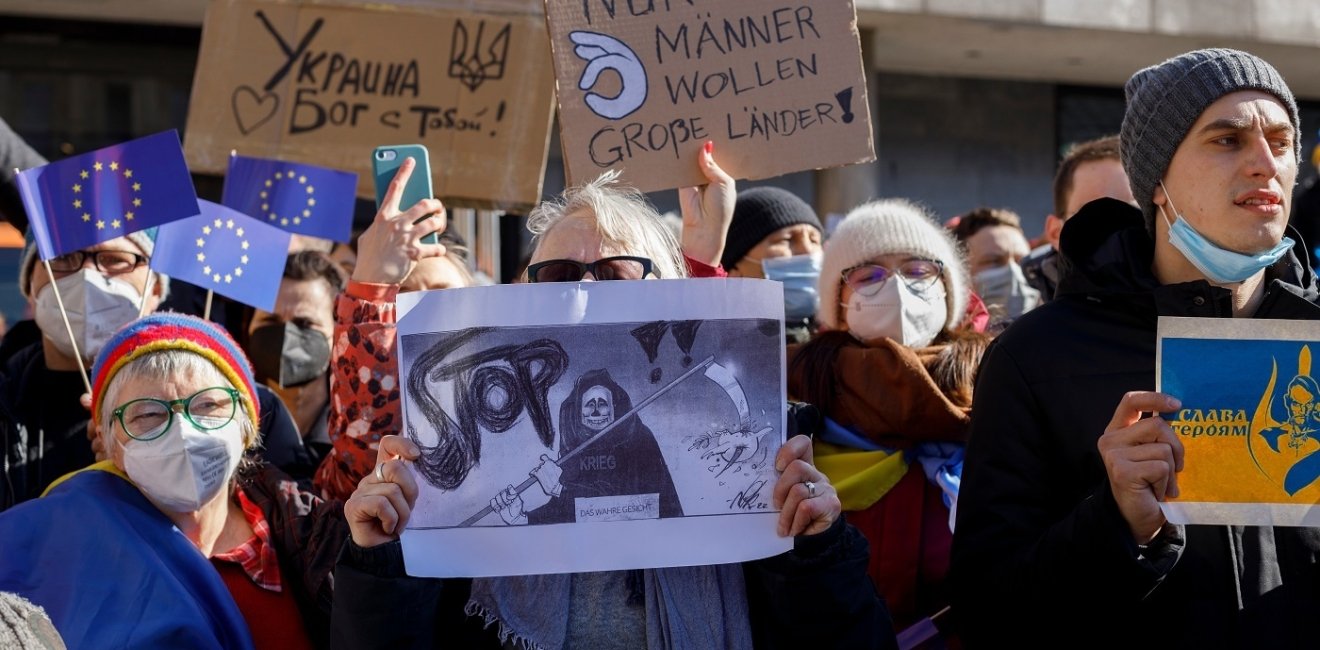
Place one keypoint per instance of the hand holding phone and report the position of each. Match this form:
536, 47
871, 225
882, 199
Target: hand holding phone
388, 250
385, 162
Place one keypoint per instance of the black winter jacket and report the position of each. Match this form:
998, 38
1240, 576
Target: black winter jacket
815, 596
1041, 555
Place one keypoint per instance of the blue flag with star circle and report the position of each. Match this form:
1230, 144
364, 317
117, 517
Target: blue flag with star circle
97, 196
300, 198
225, 251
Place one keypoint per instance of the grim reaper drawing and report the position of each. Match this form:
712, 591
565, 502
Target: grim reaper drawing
626, 461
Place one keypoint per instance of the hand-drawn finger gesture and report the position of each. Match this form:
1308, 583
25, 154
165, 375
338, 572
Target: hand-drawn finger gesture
1142, 458
389, 248
384, 499
707, 210
807, 503
509, 504
603, 52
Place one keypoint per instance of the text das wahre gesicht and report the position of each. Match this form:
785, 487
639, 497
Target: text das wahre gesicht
708, 40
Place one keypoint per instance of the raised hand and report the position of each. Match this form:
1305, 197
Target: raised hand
707, 211
389, 248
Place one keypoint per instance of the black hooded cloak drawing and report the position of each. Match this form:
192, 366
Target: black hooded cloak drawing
626, 461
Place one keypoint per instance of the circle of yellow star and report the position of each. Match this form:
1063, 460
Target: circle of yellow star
115, 221
268, 197
217, 227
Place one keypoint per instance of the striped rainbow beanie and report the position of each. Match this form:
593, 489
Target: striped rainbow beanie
171, 331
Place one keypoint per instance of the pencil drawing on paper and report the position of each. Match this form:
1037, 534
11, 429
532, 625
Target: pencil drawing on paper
593, 423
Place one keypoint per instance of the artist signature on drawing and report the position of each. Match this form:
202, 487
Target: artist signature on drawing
750, 498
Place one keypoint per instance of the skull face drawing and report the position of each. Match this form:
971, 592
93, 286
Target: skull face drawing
597, 408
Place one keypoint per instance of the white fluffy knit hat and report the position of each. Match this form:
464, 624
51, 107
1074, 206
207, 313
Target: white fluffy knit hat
888, 227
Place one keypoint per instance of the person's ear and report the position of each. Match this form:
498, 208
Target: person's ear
1159, 198
1053, 228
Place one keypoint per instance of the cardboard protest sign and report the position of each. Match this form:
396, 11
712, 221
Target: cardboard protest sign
592, 426
1249, 422
642, 86
326, 82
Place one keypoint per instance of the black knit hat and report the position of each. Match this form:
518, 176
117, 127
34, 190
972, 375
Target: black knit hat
759, 212
1165, 100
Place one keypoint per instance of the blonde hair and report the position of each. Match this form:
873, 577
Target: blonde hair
623, 217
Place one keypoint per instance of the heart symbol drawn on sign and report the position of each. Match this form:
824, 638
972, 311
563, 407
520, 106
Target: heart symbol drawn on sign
252, 110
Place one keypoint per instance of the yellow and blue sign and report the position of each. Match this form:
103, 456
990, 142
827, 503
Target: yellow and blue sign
1249, 422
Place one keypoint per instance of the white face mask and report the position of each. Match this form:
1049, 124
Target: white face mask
185, 467
897, 312
97, 306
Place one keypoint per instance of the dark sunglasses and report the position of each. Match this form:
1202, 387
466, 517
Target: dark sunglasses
621, 267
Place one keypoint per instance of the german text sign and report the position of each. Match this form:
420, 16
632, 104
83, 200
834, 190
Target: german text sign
325, 83
642, 85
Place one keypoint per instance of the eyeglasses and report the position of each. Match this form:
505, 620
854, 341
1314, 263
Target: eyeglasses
149, 418
110, 262
918, 275
621, 267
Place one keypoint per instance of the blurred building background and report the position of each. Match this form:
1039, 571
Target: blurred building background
974, 101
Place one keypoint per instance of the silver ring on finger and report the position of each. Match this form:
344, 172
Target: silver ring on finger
811, 489
380, 473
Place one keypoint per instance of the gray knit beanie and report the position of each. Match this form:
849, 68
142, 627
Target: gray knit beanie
758, 213
1165, 100
885, 227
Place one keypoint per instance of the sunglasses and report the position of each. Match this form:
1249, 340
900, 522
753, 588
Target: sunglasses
620, 267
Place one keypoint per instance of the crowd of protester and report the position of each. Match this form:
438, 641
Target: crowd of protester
983, 468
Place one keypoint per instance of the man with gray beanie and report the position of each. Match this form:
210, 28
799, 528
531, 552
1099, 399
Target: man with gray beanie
1059, 525
43, 427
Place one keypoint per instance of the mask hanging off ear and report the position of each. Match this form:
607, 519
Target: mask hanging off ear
1218, 265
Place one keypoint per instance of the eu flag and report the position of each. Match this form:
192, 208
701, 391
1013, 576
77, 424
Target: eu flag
225, 251
87, 199
296, 197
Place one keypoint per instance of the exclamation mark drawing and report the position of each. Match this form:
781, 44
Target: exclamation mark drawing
844, 98
499, 116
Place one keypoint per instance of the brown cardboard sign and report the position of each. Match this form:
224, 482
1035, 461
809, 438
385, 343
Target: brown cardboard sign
325, 83
643, 84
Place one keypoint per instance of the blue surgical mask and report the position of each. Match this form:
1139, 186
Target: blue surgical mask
799, 274
1219, 265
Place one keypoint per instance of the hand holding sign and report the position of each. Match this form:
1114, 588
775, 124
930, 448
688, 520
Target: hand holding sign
1142, 458
707, 211
603, 53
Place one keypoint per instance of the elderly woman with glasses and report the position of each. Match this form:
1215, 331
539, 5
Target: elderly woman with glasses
817, 594
176, 541
894, 380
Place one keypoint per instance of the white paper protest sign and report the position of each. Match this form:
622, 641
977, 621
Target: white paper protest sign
593, 426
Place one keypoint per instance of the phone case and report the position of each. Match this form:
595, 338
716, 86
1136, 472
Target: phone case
419, 184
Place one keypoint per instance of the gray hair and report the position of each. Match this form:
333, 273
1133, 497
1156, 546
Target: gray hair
167, 363
623, 217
